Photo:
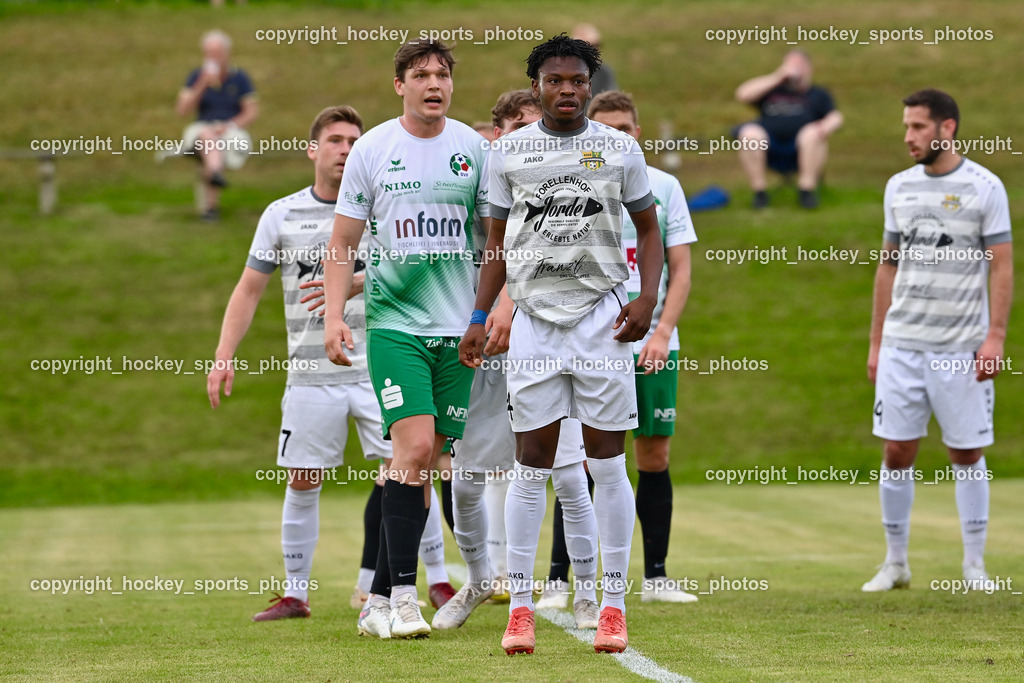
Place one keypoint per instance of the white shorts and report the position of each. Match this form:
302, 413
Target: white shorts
488, 444
910, 385
579, 372
236, 143
314, 425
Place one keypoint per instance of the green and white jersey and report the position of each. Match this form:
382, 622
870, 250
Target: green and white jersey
293, 233
563, 196
418, 196
676, 228
942, 225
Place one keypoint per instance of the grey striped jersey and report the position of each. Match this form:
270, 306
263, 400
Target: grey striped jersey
293, 233
563, 196
942, 225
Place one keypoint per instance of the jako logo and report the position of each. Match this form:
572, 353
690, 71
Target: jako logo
391, 396
458, 413
668, 414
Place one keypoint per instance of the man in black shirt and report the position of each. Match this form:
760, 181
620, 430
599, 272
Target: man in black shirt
792, 132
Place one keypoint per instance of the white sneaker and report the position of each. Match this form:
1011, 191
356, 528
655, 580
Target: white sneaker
663, 589
406, 620
555, 596
375, 619
890, 575
454, 613
976, 577
358, 598
587, 613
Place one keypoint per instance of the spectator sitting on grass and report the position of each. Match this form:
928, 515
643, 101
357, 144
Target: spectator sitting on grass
225, 102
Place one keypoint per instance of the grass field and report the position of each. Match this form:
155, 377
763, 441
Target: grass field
123, 270
808, 547
133, 475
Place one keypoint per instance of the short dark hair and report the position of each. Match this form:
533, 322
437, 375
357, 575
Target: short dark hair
331, 115
613, 100
416, 51
941, 106
563, 46
511, 104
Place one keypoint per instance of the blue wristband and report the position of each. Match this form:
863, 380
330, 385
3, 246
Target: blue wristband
479, 317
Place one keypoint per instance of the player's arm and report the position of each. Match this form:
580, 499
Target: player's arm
655, 352
317, 295
1000, 297
881, 300
499, 324
237, 319
635, 316
339, 268
492, 279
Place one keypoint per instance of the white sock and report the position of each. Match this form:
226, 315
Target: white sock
495, 493
524, 512
432, 543
972, 504
580, 528
896, 492
615, 509
471, 523
300, 530
365, 579
399, 591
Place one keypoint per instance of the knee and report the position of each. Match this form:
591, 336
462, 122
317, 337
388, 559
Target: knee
900, 454
651, 453
751, 131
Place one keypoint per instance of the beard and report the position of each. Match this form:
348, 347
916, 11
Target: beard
929, 158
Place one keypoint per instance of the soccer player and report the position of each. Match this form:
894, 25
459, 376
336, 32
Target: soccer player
485, 455
319, 397
658, 354
937, 331
417, 179
557, 191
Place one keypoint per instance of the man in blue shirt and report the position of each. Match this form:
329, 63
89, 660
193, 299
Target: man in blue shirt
225, 102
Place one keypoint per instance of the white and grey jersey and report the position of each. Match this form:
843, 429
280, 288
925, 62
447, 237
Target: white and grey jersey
293, 234
942, 224
563, 196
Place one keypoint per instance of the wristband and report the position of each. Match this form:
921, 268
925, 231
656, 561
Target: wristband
479, 317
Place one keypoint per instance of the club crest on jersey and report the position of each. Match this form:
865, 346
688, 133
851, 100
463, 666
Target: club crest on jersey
461, 165
591, 160
951, 202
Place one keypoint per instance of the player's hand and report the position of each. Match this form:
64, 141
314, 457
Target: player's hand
872, 363
222, 373
316, 296
498, 327
654, 355
471, 346
988, 359
337, 338
634, 319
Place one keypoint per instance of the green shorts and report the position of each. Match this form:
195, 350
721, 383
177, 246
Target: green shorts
656, 399
419, 376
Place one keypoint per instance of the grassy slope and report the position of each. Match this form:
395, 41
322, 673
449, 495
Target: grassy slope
123, 268
812, 546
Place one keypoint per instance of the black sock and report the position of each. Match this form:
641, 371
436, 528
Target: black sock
447, 505
371, 528
559, 553
654, 510
404, 521
382, 572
